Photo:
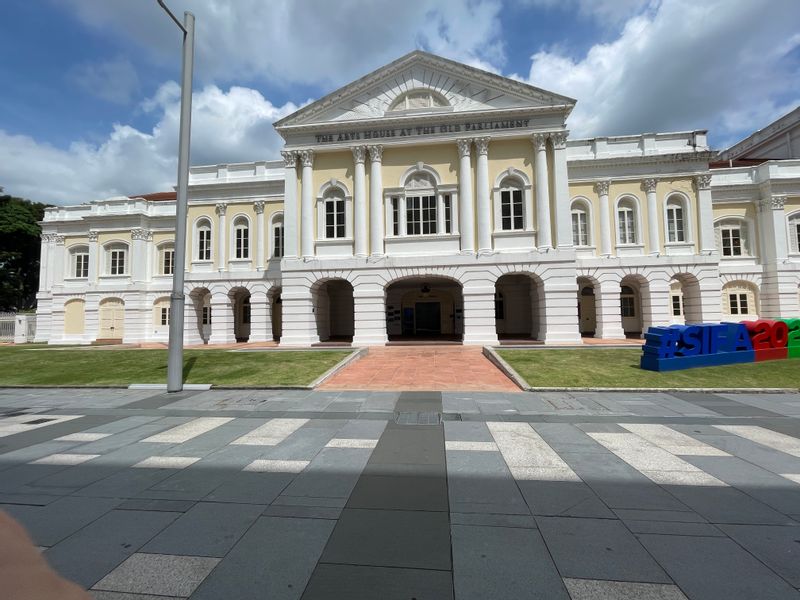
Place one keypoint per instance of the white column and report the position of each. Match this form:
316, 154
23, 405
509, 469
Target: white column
479, 322
222, 230
260, 326
290, 217
51, 259
465, 208
484, 207
360, 201
705, 211
299, 319
561, 190
138, 255
59, 263
261, 253
221, 319
192, 321
307, 204
369, 314
375, 200
44, 258
543, 237
653, 230
608, 311
601, 189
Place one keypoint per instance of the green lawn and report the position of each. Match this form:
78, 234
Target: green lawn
40, 365
620, 368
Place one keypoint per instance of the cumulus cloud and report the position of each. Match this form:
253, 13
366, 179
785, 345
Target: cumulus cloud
683, 64
226, 127
112, 80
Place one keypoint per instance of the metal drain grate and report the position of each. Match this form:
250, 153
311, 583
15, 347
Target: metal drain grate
418, 418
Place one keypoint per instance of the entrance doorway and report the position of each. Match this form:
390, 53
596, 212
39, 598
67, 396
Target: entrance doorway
334, 310
112, 319
428, 308
587, 313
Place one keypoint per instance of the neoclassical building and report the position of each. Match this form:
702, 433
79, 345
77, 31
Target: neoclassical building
432, 200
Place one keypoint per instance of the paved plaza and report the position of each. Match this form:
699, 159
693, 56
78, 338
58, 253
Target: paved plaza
216, 494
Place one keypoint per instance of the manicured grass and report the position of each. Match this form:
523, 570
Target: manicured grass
37, 365
617, 368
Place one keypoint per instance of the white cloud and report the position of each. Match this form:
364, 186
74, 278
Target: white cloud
604, 11
226, 127
112, 80
685, 65
314, 42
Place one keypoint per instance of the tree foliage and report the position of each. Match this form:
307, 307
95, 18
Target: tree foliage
20, 243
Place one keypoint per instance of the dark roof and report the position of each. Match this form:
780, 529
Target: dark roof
736, 162
157, 196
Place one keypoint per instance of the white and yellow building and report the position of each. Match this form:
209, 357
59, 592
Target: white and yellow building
430, 199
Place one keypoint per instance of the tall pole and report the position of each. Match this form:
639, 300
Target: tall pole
177, 299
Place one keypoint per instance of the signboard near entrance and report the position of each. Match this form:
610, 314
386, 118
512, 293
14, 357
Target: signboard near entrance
711, 344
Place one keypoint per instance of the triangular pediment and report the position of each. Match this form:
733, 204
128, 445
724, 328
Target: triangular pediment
456, 87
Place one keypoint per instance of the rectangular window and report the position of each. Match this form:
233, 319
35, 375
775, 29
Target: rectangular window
428, 215
168, 262
739, 304
242, 242
627, 232
797, 238
511, 210
731, 242
580, 234
448, 214
164, 315
677, 310
277, 241
117, 266
421, 215
395, 216
82, 265
206, 315
628, 306
334, 218
413, 216
675, 231
204, 244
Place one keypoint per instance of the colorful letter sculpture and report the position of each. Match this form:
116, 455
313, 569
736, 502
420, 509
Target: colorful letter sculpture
712, 344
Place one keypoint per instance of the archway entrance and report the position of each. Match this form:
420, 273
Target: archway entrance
334, 311
241, 314
519, 307
587, 309
424, 308
630, 299
276, 312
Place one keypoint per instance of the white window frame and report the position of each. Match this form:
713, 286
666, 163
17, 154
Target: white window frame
676, 203
163, 249
327, 191
730, 223
733, 292
240, 225
74, 253
111, 251
582, 206
277, 222
510, 180
627, 205
201, 225
793, 234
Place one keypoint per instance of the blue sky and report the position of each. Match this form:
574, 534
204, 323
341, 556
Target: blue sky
89, 104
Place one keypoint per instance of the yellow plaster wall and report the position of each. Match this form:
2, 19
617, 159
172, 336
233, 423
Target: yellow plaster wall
74, 316
113, 236
333, 165
159, 237
75, 240
746, 210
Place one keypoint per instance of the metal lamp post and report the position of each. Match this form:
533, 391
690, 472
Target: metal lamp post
175, 356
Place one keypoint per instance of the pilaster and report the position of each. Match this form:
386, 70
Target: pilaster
307, 204
484, 206
290, 216
376, 200
601, 189
222, 230
561, 199
608, 311
221, 319
543, 234
360, 202
653, 230
261, 253
260, 318
465, 208
706, 214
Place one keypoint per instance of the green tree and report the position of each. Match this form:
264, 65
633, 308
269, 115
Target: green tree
20, 244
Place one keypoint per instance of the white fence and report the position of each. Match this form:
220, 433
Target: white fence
17, 328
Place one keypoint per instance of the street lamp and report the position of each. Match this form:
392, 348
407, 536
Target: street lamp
175, 352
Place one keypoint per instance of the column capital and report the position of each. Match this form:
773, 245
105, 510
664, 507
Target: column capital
306, 158
375, 153
649, 185
464, 146
703, 181
143, 235
93, 235
258, 206
482, 145
601, 187
359, 153
59, 239
539, 140
221, 208
559, 139
289, 158
776, 202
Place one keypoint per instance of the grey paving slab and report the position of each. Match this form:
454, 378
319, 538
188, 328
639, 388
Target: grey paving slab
466, 431
493, 562
251, 488
635, 514
563, 498
165, 575
305, 443
100, 595
481, 482
766, 458
390, 538
727, 505
565, 437
725, 406
303, 512
397, 492
19, 476
284, 500
493, 520
332, 474
706, 567
28, 498
777, 547
206, 529
50, 524
598, 549
155, 504
278, 554
350, 582
360, 429
90, 554
674, 528
50, 432
125, 483
410, 444
590, 589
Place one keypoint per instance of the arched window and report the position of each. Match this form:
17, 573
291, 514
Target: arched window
241, 237
733, 237
627, 222
277, 236
676, 219
116, 259
419, 100
166, 259
203, 237
79, 262
739, 298
512, 215
335, 225
794, 233
421, 205
581, 231
161, 313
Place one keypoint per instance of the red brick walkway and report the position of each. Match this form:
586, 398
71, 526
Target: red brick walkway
435, 368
